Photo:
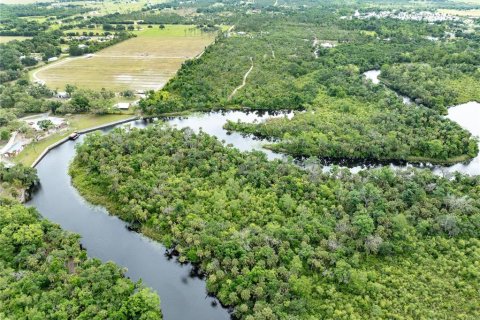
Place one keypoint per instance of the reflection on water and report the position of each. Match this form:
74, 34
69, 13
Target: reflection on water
212, 123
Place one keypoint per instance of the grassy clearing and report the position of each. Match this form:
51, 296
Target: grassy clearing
5, 39
77, 122
39, 19
145, 62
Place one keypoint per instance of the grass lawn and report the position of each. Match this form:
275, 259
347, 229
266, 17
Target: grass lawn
77, 122
39, 19
5, 39
142, 63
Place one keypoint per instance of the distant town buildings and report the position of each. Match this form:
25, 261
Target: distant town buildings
405, 15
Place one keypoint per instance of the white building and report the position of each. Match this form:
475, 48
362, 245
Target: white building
122, 105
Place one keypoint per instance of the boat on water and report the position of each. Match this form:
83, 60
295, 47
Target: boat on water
73, 136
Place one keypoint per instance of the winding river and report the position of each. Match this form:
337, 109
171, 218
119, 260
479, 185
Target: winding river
183, 295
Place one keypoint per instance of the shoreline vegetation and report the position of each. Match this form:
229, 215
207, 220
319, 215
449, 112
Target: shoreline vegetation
208, 203
410, 160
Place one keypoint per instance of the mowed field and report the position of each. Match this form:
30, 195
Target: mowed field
142, 63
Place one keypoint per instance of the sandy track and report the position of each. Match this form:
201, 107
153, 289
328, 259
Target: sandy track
244, 81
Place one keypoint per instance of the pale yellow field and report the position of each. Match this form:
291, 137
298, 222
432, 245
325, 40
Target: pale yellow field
5, 39
142, 63
463, 13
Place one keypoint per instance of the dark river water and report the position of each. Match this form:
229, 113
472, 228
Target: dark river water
183, 296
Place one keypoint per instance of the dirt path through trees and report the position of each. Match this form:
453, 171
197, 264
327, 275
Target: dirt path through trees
244, 81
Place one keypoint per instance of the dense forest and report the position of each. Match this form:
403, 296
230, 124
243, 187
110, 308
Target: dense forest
346, 116
288, 52
277, 241
45, 274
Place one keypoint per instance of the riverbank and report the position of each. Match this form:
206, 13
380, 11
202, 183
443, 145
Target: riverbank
78, 123
93, 194
380, 161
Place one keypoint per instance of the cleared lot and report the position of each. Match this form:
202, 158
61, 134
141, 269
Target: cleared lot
142, 63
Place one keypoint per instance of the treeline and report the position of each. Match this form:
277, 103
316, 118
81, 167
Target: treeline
399, 30
45, 274
94, 46
84, 101
21, 27
41, 9
276, 241
33, 98
24, 97
146, 18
